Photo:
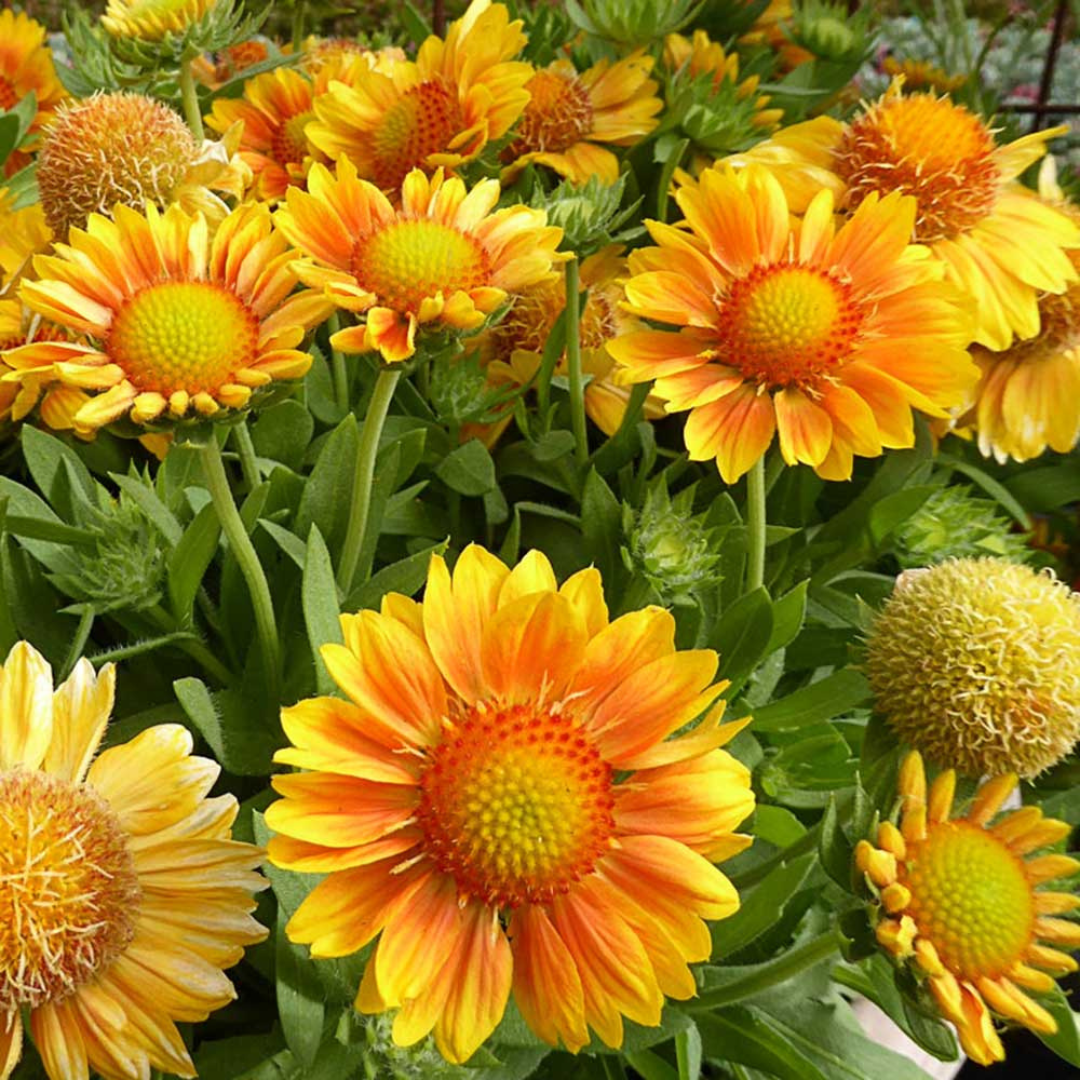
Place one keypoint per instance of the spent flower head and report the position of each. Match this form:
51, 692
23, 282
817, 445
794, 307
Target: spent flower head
976, 663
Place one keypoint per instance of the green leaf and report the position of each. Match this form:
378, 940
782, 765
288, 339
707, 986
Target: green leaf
45, 457
188, 561
737, 1034
742, 637
24, 503
299, 996
1047, 488
1066, 1041
290, 543
688, 1053
761, 907
321, 610
777, 826
283, 432
832, 696
199, 707
406, 576
468, 470
324, 501
834, 848
225, 719
788, 615
144, 496
601, 526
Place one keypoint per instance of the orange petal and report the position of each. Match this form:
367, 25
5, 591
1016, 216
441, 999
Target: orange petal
804, 428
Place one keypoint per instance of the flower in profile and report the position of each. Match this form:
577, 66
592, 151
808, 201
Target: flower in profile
976, 662
827, 337
570, 114
514, 346
122, 894
152, 20
176, 323
129, 150
958, 902
214, 72
23, 234
26, 66
921, 75
499, 799
1029, 396
998, 244
440, 110
443, 261
19, 326
772, 28
275, 109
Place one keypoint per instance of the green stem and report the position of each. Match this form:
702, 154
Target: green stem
573, 362
755, 526
807, 842
778, 971
246, 449
360, 502
338, 369
190, 98
247, 559
191, 645
78, 642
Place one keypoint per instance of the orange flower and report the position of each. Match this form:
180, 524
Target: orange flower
275, 109
176, 321
444, 260
997, 244
26, 66
827, 337
960, 903
439, 111
568, 114
122, 893
499, 799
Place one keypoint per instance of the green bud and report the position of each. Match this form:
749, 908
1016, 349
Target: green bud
954, 524
673, 549
831, 32
384, 1060
632, 23
460, 392
590, 215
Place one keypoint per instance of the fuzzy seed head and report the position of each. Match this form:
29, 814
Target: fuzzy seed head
976, 663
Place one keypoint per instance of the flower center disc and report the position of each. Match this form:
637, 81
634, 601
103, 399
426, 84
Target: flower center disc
787, 324
927, 147
68, 888
422, 122
971, 897
558, 114
183, 335
516, 805
289, 145
412, 260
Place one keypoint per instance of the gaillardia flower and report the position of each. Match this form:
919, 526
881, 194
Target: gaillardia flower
828, 337
439, 111
976, 662
275, 109
131, 150
1029, 396
997, 243
958, 901
570, 114
122, 894
152, 20
23, 234
26, 66
442, 261
177, 322
514, 346
499, 799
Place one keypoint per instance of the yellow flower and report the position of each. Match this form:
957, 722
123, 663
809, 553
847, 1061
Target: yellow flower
442, 261
23, 234
999, 245
500, 799
122, 894
827, 337
976, 662
439, 111
176, 322
26, 66
959, 902
230, 62
1029, 395
152, 20
569, 114
514, 346
921, 74
130, 150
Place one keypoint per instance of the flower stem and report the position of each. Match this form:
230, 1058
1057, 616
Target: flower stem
245, 448
769, 975
190, 98
247, 559
337, 368
755, 526
360, 502
191, 645
573, 361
